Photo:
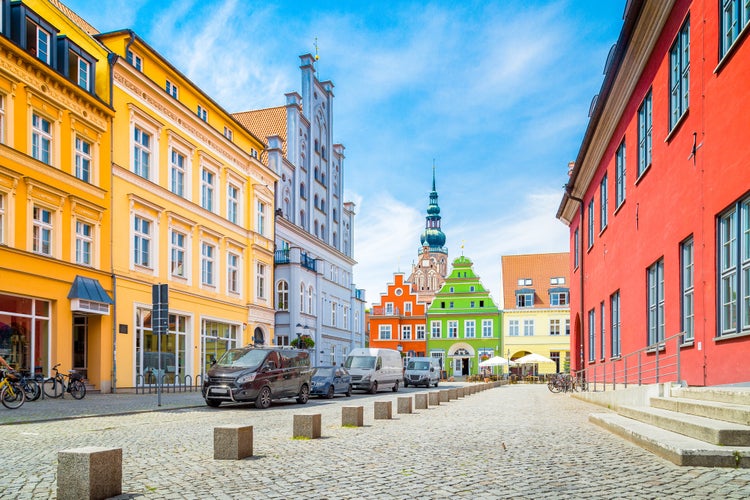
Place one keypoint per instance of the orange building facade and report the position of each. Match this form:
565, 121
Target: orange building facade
399, 320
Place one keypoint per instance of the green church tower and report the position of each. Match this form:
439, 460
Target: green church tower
463, 322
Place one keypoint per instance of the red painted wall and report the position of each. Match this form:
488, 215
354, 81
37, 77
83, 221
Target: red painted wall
676, 197
399, 293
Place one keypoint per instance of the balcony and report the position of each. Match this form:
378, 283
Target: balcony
359, 294
284, 256
383, 311
307, 262
281, 256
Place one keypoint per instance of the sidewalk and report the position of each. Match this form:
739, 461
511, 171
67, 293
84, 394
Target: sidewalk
95, 404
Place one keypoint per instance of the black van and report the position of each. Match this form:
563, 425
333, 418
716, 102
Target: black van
258, 374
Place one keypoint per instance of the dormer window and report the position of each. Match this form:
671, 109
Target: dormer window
75, 63
202, 113
38, 41
171, 89
558, 297
134, 60
228, 133
525, 298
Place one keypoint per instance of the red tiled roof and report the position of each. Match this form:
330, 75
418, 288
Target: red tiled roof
537, 267
265, 122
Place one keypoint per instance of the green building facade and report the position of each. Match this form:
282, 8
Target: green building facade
463, 323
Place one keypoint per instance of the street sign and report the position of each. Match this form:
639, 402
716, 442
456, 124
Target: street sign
160, 309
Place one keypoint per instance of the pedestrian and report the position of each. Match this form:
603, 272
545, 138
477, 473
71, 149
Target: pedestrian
4, 363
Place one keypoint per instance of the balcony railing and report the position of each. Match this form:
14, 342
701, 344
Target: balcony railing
382, 311
281, 256
359, 294
653, 364
307, 262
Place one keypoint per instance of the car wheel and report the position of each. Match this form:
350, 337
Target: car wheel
374, 388
436, 383
214, 403
349, 391
263, 400
395, 386
406, 384
304, 394
330, 392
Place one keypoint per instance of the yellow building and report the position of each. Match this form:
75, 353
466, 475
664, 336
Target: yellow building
193, 209
55, 284
536, 314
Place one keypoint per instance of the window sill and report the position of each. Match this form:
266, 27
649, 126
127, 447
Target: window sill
652, 350
616, 358
643, 174
732, 336
677, 126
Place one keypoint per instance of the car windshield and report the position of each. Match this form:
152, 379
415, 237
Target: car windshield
360, 362
418, 365
323, 372
244, 358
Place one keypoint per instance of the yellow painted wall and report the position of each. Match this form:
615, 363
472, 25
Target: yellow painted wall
541, 342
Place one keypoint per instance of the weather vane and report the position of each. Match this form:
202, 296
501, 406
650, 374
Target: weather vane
316, 49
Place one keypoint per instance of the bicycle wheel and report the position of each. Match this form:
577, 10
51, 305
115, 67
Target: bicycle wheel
52, 388
77, 389
554, 385
12, 396
32, 389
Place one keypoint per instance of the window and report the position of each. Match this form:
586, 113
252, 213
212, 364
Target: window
602, 330
558, 298
450, 305
38, 41
83, 160
2, 119
208, 255
513, 328
202, 113
233, 203
41, 139
679, 75
734, 269
2, 218
84, 243
528, 328
389, 308
686, 283
420, 332
470, 329
487, 328
592, 334
435, 328
177, 173
655, 281
141, 152
228, 133
384, 332
603, 204
644, 134
735, 15
282, 296
452, 329
345, 318
614, 315
260, 283
141, 241
554, 327
233, 273
576, 249
261, 211
79, 70
135, 60
620, 177
208, 180
557, 281
567, 327
177, 254
310, 303
302, 297
407, 307
591, 224
525, 282
333, 313
524, 299
406, 332
171, 89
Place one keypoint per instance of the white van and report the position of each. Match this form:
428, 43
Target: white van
374, 369
422, 371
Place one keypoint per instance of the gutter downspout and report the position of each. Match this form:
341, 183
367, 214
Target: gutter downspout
112, 60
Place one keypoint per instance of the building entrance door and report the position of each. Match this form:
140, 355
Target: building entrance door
80, 344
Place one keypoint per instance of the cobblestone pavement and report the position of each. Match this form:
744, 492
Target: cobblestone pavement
509, 442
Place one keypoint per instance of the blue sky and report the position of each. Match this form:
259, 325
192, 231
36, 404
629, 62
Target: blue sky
496, 93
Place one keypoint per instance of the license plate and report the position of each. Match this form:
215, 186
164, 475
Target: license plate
219, 390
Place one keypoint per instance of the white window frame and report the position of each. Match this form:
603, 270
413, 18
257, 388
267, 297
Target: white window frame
470, 329
620, 175
555, 326
514, 328
655, 301
228, 133
282, 295
177, 171
679, 75
178, 254
209, 178
384, 332
234, 275
142, 241
645, 128
172, 89
43, 231
405, 332
452, 326
134, 59
83, 159
233, 203
143, 152
2, 118
84, 242
83, 78
420, 332
488, 329
435, 329
260, 210
208, 264
603, 204
42, 140
260, 280
528, 327
202, 113
687, 286
614, 315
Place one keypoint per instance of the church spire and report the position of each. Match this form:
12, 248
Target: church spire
432, 236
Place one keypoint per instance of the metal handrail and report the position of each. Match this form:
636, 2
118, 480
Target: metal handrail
656, 363
148, 383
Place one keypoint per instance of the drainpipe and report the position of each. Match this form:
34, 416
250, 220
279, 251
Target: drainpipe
112, 60
568, 192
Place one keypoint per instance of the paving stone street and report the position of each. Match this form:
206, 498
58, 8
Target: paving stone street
517, 441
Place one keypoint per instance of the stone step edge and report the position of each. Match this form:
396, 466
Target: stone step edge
741, 397
676, 448
722, 411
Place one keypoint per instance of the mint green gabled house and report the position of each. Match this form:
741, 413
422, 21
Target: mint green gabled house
463, 323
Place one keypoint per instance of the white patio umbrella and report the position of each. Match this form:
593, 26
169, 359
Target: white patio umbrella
533, 359
496, 361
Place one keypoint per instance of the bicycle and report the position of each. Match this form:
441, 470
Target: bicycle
11, 394
55, 387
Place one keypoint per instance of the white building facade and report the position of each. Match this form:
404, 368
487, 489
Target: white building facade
314, 291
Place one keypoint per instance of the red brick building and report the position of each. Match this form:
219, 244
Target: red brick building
399, 321
658, 201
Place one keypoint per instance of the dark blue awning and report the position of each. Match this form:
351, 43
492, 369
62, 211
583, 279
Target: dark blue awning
88, 289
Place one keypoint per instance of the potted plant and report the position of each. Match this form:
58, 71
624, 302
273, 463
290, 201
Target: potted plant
303, 342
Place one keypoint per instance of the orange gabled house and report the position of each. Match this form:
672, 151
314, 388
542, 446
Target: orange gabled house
399, 320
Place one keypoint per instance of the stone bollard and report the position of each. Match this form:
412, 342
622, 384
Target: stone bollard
353, 416
404, 404
307, 426
233, 442
91, 472
383, 410
444, 395
452, 394
460, 392
434, 398
420, 401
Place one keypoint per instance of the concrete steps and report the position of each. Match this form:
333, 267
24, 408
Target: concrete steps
693, 426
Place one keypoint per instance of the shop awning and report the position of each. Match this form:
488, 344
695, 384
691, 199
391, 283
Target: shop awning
88, 296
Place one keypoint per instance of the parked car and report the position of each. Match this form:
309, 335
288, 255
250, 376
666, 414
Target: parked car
374, 369
330, 380
258, 374
422, 371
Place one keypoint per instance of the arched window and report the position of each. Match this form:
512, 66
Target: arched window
323, 205
317, 146
323, 152
302, 297
315, 201
302, 218
302, 190
258, 337
316, 228
335, 217
310, 303
282, 296
335, 239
